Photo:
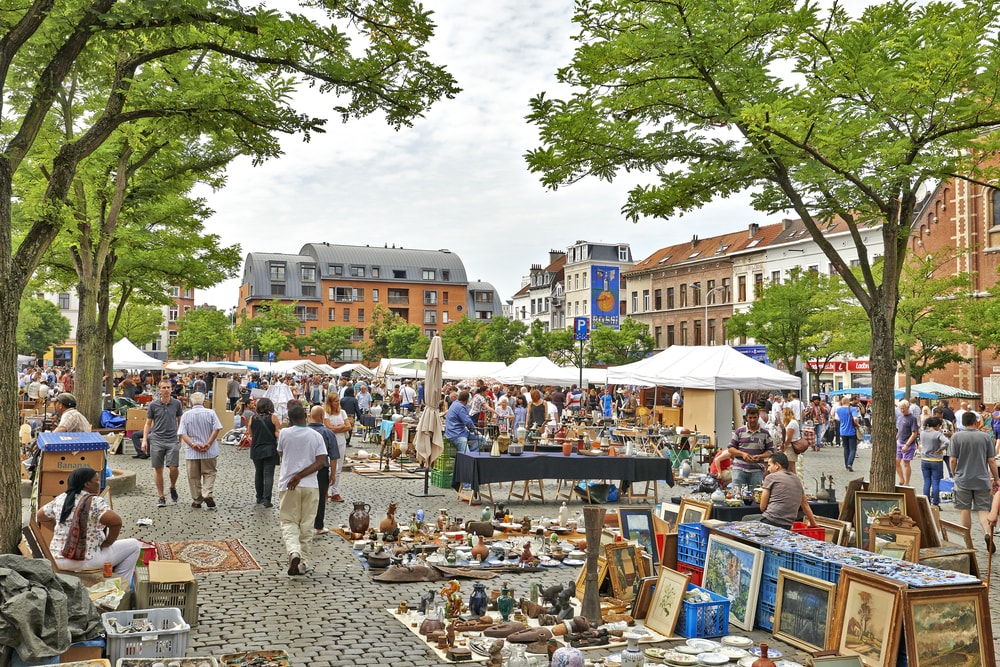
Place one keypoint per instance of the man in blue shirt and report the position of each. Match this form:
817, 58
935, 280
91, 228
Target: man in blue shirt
847, 417
459, 427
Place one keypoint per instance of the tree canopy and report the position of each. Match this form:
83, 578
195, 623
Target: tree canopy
803, 107
40, 325
203, 333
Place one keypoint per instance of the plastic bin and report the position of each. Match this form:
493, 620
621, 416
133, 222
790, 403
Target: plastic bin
444, 463
765, 616
697, 573
774, 559
768, 590
692, 543
818, 533
275, 655
152, 595
193, 661
168, 639
812, 565
441, 479
704, 619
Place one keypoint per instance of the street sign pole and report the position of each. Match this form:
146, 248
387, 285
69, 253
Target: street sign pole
581, 331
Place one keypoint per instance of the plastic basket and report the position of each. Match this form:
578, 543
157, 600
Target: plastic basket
765, 616
768, 590
193, 661
690, 556
812, 566
692, 543
818, 533
441, 479
774, 559
444, 463
153, 595
832, 572
276, 656
697, 573
169, 639
704, 619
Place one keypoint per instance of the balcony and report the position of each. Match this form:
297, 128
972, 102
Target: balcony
399, 300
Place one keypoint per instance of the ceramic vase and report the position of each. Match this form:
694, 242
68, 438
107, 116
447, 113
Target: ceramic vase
632, 656
480, 552
763, 660
505, 603
567, 448
360, 518
478, 600
567, 656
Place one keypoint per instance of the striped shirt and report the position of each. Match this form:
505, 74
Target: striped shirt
198, 424
752, 443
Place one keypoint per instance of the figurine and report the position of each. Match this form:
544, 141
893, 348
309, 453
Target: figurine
526, 556
453, 599
402, 608
388, 524
495, 659
426, 604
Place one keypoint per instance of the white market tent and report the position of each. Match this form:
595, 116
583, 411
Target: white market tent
405, 368
297, 366
353, 369
128, 357
538, 371
703, 367
461, 370
593, 376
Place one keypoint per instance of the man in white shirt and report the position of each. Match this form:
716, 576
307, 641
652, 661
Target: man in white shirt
303, 453
676, 401
795, 404
407, 397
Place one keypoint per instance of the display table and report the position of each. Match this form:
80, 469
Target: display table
477, 468
727, 513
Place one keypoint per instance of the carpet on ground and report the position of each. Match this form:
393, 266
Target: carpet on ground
210, 555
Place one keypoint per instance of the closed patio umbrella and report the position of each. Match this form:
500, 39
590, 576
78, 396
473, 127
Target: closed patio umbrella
429, 441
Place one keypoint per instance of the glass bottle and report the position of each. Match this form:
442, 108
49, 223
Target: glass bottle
517, 656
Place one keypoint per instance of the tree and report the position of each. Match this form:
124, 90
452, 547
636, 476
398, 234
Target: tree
837, 330
143, 60
536, 341
139, 323
329, 343
564, 348
40, 326
502, 339
406, 342
464, 339
378, 333
203, 333
804, 107
271, 329
615, 348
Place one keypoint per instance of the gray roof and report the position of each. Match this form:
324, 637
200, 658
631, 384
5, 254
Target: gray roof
387, 259
256, 273
479, 286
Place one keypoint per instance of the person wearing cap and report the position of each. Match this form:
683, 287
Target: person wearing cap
70, 419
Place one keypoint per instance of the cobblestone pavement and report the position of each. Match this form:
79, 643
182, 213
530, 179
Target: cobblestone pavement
336, 614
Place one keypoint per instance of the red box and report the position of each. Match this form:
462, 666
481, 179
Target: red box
147, 553
697, 573
801, 528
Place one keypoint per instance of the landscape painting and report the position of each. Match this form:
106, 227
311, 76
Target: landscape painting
868, 608
733, 570
943, 628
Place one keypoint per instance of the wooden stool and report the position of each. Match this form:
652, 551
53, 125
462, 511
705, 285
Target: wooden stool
644, 496
527, 494
568, 493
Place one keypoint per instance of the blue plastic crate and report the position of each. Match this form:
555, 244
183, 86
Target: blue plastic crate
765, 616
690, 556
692, 536
704, 619
768, 590
810, 565
774, 559
832, 572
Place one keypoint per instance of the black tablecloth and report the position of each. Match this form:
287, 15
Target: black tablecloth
477, 468
726, 513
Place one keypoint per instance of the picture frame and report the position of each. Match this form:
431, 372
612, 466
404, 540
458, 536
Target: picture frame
693, 511
914, 510
870, 505
895, 537
666, 602
624, 569
838, 661
637, 526
957, 533
892, 551
803, 610
581, 579
940, 621
867, 619
640, 606
669, 513
847, 507
733, 570
837, 532
932, 521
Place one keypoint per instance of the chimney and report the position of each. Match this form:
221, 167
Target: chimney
786, 223
556, 254
754, 229
694, 240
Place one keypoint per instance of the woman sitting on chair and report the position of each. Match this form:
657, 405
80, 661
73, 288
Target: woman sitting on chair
85, 529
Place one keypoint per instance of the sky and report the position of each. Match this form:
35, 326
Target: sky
457, 179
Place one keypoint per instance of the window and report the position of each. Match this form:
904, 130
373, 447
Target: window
399, 274
172, 314
308, 273
444, 315
430, 297
684, 296
622, 254
306, 313
696, 294
741, 287
758, 285
376, 272
711, 332
428, 274
277, 270
361, 314
347, 314
484, 297
189, 294
635, 302
576, 281
358, 271
670, 298
430, 317
484, 315
375, 295
302, 331
187, 308
775, 277
814, 268
64, 301
658, 299
645, 300
347, 294
725, 325
359, 335
335, 269
399, 297
176, 291
726, 283
312, 330
445, 275
684, 333
584, 307
331, 314
444, 298
697, 332
308, 290
430, 333
657, 334
584, 280
278, 288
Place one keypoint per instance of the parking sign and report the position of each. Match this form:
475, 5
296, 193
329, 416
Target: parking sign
581, 328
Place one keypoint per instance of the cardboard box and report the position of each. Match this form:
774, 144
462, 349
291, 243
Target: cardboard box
67, 462
135, 419
170, 572
49, 441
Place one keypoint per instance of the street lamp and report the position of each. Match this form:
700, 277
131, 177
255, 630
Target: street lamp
704, 296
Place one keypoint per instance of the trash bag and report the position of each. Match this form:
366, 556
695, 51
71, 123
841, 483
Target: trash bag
708, 484
111, 420
122, 405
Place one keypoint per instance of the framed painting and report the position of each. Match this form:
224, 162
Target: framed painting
868, 506
693, 511
624, 569
931, 520
915, 511
665, 603
897, 539
956, 533
803, 610
581, 579
637, 526
668, 513
866, 621
733, 570
837, 531
640, 606
948, 625
891, 550
838, 661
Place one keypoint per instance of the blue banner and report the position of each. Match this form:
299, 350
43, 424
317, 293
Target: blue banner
604, 283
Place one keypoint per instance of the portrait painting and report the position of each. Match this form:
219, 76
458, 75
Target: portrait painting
733, 570
602, 577
668, 513
693, 511
803, 612
868, 506
637, 526
948, 626
624, 569
867, 617
665, 603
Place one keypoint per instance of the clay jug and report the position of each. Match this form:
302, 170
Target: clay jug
480, 552
763, 660
360, 518
567, 448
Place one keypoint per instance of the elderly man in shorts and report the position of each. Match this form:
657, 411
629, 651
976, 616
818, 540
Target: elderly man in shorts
160, 440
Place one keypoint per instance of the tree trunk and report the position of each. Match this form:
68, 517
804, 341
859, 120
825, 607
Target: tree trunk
10, 459
104, 324
882, 475
89, 351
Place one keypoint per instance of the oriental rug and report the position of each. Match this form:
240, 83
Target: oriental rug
209, 555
